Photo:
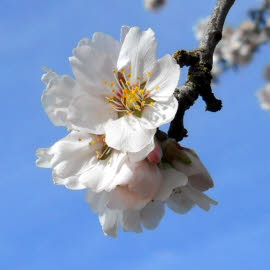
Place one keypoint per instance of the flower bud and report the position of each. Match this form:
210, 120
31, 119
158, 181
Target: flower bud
187, 161
156, 155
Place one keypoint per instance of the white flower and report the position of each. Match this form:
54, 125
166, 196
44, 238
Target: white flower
131, 220
82, 160
121, 207
264, 97
121, 90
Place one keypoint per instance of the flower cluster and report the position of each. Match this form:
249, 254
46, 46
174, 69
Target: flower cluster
237, 46
264, 94
121, 95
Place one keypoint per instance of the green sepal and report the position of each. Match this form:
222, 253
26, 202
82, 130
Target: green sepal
182, 157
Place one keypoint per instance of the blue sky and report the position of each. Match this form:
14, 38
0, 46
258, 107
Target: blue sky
44, 226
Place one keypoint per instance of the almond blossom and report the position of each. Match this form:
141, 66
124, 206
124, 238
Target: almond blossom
114, 207
187, 161
82, 160
121, 90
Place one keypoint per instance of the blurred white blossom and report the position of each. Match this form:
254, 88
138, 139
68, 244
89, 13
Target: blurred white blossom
264, 94
154, 4
237, 46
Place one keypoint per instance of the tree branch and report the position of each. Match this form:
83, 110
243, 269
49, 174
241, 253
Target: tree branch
199, 74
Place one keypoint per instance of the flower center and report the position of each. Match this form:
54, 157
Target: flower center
105, 150
129, 98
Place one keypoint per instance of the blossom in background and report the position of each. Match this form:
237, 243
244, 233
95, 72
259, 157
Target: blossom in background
121, 90
264, 94
154, 4
237, 46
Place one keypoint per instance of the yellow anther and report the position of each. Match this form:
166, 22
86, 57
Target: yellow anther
129, 66
141, 91
128, 82
149, 74
113, 106
113, 90
105, 82
123, 70
128, 112
94, 141
129, 75
157, 87
98, 154
143, 102
108, 162
79, 139
152, 104
137, 107
138, 78
111, 83
148, 91
114, 71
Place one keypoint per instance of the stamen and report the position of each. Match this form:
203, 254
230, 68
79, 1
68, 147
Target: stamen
105, 82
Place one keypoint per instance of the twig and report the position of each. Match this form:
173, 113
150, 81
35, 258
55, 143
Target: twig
199, 74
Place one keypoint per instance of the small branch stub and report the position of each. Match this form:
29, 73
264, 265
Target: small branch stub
199, 74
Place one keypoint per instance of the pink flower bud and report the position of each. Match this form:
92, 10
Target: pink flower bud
187, 161
156, 155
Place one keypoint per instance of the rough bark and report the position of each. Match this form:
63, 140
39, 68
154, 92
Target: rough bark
199, 75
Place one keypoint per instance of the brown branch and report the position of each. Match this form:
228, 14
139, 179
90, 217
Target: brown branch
199, 74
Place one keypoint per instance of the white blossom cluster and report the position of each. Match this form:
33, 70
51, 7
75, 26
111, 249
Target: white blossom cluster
120, 95
264, 94
154, 4
237, 46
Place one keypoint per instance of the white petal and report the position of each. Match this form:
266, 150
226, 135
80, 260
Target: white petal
198, 175
165, 75
44, 158
141, 155
107, 44
58, 95
180, 203
69, 158
198, 197
131, 221
152, 214
138, 50
126, 134
92, 67
90, 113
109, 222
124, 30
171, 179
136, 184
105, 175
70, 182
161, 113
97, 201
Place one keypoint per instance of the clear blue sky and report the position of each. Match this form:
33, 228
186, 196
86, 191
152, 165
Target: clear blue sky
44, 226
